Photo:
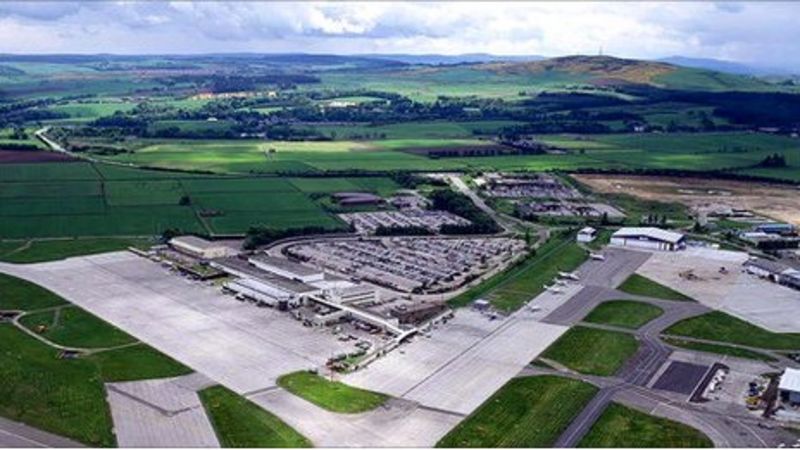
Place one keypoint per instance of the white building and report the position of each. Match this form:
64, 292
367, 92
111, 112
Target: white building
587, 234
286, 268
650, 238
789, 387
201, 248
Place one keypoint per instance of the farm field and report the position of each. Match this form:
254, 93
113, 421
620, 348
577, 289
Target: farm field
592, 351
624, 313
239, 423
623, 427
331, 395
81, 199
721, 327
526, 412
639, 285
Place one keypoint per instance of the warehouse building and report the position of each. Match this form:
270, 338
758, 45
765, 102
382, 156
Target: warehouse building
783, 229
789, 386
201, 248
587, 234
774, 271
264, 287
286, 268
650, 238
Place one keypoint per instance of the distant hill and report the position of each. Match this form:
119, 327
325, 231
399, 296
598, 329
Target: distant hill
468, 58
719, 65
610, 71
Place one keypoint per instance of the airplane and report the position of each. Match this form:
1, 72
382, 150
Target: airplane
553, 289
570, 275
597, 256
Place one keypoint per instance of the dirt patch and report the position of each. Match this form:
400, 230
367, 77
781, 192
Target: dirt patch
32, 156
779, 202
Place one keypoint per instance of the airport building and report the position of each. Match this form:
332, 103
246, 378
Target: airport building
774, 271
262, 286
587, 234
201, 248
286, 268
650, 238
789, 386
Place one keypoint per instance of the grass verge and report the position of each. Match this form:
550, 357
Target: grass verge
623, 427
718, 349
639, 285
239, 423
512, 288
41, 251
526, 412
74, 327
592, 351
23, 295
721, 327
624, 313
331, 395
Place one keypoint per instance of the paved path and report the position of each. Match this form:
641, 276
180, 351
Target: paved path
17, 435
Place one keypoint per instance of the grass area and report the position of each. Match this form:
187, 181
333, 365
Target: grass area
623, 427
721, 327
22, 295
81, 199
40, 251
639, 285
331, 395
74, 327
592, 351
239, 423
526, 412
66, 396
512, 288
62, 396
137, 362
624, 313
718, 349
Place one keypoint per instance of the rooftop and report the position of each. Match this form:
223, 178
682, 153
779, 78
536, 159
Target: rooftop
192, 241
770, 266
285, 264
240, 265
651, 232
790, 380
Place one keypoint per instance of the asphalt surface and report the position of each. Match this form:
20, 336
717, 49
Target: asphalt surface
17, 435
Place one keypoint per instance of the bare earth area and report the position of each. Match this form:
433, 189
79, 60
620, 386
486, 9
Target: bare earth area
779, 202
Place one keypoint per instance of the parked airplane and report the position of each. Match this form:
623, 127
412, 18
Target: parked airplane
570, 275
597, 256
553, 289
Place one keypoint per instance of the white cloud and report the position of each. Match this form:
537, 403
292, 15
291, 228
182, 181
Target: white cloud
759, 32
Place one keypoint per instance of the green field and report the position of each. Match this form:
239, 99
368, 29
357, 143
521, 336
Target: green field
718, 349
81, 199
592, 351
25, 296
721, 327
239, 423
623, 427
624, 313
39, 251
526, 412
331, 395
639, 285
92, 109
512, 288
74, 327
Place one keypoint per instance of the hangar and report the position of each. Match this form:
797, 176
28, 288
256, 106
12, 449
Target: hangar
286, 268
648, 238
789, 386
201, 248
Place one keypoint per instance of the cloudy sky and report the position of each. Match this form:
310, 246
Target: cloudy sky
754, 32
